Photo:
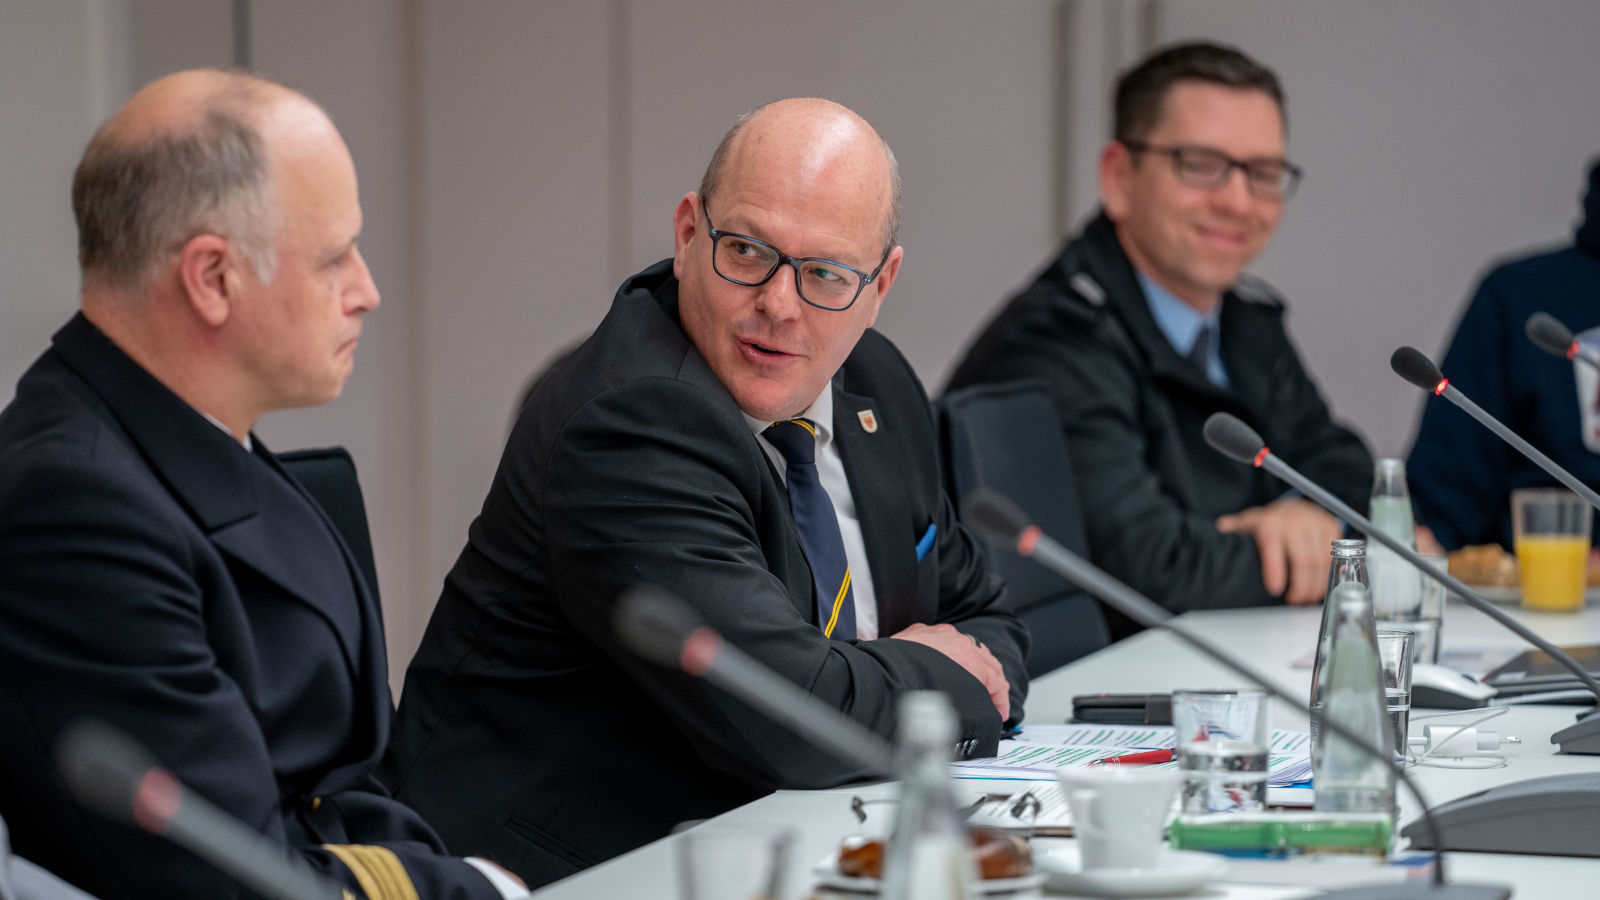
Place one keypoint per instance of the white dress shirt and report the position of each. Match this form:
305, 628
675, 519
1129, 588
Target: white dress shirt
830, 472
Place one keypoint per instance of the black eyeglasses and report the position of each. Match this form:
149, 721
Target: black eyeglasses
750, 262
1208, 169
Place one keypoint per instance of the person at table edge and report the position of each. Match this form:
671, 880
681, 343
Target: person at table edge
159, 570
525, 732
1144, 326
1462, 474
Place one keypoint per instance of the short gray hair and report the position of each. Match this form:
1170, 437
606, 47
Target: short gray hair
712, 178
137, 199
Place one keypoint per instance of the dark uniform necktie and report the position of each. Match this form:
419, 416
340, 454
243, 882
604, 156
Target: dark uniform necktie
1200, 353
818, 526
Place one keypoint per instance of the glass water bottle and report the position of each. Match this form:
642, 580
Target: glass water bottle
1396, 585
1347, 778
930, 853
1348, 564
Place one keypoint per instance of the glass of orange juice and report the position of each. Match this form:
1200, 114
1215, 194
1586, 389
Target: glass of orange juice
1551, 529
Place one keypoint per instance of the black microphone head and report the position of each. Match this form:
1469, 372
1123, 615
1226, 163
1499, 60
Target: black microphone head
654, 624
1548, 334
1233, 438
994, 516
102, 767
1409, 363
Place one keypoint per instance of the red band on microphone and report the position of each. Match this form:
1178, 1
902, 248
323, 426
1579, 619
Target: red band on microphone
156, 800
700, 650
1260, 457
1443, 383
1029, 540
1573, 350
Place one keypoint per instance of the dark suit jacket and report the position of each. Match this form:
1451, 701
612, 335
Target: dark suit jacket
526, 733
1132, 411
1461, 473
156, 575
22, 880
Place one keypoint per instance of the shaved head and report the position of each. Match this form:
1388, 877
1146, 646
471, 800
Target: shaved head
789, 125
811, 180
185, 156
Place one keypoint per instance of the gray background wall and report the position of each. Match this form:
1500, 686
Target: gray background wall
517, 159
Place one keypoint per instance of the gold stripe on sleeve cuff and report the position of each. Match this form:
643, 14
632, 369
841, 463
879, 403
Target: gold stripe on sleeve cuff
376, 869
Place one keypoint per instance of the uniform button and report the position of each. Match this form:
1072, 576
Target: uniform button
316, 803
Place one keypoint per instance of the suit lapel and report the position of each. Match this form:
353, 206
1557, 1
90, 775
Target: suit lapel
247, 510
1249, 368
872, 462
372, 699
788, 562
290, 542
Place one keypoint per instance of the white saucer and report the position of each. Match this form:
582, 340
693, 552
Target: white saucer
1177, 871
829, 876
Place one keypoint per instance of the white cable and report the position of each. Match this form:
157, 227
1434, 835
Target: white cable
1459, 758
1489, 712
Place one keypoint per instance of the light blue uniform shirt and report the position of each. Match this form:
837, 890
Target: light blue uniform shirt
1181, 324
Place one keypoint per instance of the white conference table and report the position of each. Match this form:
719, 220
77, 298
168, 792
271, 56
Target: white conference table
1270, 639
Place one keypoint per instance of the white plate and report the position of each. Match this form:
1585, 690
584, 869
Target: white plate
1177, 871
1495, 593
829, 876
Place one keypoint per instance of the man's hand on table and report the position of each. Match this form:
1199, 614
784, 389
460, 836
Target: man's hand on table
969, 654
1293, 535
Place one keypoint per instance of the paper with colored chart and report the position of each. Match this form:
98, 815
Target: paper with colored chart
1036, 753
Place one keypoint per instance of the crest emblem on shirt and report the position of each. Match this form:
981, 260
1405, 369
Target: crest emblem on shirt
869, 421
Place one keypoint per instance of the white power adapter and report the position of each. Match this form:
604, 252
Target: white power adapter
1460, 746
1455, 741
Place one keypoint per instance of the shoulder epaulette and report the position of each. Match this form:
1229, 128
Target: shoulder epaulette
1087, 288
1254, 290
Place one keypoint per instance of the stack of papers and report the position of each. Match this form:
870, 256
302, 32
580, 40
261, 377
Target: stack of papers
1036, 753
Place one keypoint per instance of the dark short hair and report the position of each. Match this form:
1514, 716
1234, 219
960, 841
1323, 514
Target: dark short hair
138, 198
712, 178
1142, 89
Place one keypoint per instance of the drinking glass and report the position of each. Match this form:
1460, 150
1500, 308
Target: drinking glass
1221, 749
1550, 527
1394, 652
1429, 623
721, 862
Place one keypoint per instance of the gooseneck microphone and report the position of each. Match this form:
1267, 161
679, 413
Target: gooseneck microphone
1554, 338
1235, 439
1001, 520
107, 771
1410, 364
663, 629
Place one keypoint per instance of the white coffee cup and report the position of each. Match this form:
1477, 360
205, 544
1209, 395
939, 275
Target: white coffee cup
1119, 813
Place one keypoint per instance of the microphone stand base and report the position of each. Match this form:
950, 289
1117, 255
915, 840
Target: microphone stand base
1427, 890
1581, 738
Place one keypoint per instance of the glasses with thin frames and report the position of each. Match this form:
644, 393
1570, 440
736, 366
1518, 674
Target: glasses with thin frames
751, 262
1208, 169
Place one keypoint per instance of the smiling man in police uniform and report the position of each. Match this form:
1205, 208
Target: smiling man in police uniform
1145, 325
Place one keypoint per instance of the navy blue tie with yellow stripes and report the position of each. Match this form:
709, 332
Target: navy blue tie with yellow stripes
818, 525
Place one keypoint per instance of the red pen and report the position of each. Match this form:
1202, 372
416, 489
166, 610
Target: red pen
1147, 758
